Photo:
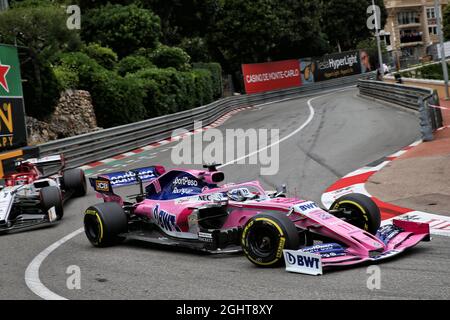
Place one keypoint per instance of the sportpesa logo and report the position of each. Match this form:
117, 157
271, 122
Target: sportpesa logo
185, 181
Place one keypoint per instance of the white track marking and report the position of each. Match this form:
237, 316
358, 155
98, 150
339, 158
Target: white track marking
32, 278
32, 272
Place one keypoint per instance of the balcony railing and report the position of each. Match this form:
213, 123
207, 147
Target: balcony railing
411, 38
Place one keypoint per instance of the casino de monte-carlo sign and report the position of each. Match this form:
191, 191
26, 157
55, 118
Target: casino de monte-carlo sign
13, 133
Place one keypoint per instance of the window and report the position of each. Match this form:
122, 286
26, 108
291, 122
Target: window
431, 14
432, 30
410, 35
432, 21
408, 17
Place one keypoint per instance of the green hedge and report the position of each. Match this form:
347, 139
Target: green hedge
216, 74
171, 57
431, 71
168, 91
144, 92
106, 57
132, 64
117, 100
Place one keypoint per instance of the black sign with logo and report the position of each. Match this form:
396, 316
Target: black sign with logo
338, 65
13, 133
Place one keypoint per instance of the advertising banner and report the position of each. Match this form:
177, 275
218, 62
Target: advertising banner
338, 65
333, 66
261, 77
308, 70
13, 132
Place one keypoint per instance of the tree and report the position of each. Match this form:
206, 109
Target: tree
40, 29
104, 56
345, 22
265, 30
124, 29
166, 57
446, 22
184, 18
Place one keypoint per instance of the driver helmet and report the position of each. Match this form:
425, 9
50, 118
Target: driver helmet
240, 194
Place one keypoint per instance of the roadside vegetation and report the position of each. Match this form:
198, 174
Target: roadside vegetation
145, 58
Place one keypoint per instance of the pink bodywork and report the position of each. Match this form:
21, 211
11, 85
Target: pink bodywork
361, 245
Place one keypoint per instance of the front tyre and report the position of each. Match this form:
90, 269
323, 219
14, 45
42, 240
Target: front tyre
51, 197
363, 212
104, 222
265, 236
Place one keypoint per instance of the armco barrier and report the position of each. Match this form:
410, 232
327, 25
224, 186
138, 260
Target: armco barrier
87, 148
415, 98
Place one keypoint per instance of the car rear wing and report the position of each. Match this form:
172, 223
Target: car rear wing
105, 183
134, 176
50, 160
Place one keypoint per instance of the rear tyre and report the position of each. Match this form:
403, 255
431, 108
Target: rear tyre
75, 180
265, 236
365, 213
104, 222
51, 197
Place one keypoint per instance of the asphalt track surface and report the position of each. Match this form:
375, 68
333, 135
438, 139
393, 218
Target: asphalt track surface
345, 133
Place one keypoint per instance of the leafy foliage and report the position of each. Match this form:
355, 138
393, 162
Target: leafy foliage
345, 21
40, 28
216, 76
132, 64
67, 79
446, 22
122, 28
265, 30
168, 91
117, 100
104, 56
171, 57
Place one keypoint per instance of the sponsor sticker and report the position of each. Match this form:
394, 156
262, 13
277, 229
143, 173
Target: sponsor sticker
5, 204
102, 185
52, 214
306, 207
303, 262
165, 220
386, 255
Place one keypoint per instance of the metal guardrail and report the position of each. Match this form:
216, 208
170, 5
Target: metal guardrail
95, 146
415, 98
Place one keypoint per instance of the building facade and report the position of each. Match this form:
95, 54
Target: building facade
411, 28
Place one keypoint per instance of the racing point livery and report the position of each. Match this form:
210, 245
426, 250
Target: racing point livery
29, 198
187, 208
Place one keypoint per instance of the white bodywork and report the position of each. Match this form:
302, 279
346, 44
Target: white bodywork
9, 194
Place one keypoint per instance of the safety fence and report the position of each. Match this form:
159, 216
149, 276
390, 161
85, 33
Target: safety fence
416, 98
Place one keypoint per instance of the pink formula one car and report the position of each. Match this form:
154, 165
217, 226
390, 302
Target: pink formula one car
187, 208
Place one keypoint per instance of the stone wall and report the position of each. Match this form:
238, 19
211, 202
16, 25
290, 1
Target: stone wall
73, 115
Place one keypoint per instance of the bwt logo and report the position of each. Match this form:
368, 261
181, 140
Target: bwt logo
164, 219
308, 206
302, 261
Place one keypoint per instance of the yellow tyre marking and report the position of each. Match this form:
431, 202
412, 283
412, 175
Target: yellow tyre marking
280, 247
95, 213
365, 215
